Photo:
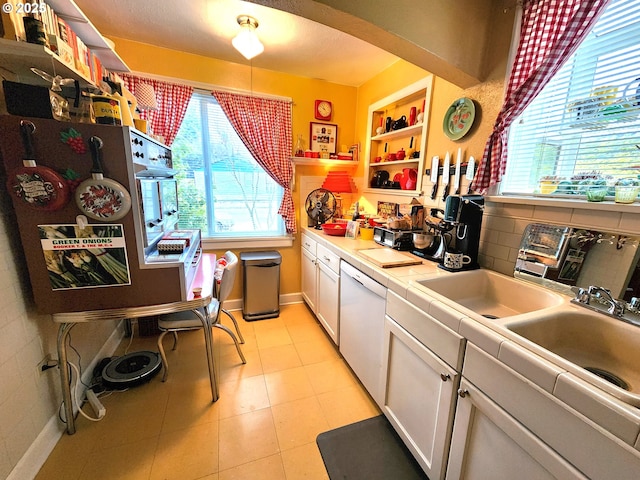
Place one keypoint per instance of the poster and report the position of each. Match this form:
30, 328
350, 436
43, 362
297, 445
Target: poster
94, 256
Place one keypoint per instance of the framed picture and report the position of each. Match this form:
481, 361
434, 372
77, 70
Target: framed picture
322, 136
353, 228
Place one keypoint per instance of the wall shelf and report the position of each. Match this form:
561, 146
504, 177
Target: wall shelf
411, 138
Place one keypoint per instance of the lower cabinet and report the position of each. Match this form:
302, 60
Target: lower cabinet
419, 397
487, 442
309, 274
320, 282
328, 300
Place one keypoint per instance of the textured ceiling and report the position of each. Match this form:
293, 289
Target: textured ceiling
293, 44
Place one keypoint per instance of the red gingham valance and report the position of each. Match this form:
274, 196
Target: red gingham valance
551, 31
264, 125
173, 100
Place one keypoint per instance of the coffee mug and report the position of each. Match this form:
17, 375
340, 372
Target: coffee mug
455, 261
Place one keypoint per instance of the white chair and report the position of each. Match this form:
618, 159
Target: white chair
187, 320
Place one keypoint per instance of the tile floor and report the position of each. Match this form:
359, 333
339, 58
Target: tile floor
294, 386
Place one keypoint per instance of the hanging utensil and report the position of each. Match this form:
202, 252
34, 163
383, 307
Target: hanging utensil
39, 187
435, 165
98, 197
446, 174
456, 179
471, 167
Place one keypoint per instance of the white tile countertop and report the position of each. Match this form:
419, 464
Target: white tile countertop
600, 402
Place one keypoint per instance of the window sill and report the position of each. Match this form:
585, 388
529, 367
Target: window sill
246, 242
608, 206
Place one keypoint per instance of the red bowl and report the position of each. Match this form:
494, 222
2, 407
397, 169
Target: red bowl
336, 229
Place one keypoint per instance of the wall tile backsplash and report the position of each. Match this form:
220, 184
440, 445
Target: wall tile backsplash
503, 225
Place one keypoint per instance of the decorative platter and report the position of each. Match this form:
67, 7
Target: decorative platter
459, 118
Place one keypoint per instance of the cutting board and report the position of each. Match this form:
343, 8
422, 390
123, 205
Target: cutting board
388, 257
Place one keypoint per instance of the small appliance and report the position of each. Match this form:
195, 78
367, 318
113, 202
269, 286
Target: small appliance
397, 239
464, 214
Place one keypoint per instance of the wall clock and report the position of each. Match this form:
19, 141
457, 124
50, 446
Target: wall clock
323, 110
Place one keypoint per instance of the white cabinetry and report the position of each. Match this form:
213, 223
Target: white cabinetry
419, 385
412, 138
328, 299
321, 284
507, 427
309, 278
489, 443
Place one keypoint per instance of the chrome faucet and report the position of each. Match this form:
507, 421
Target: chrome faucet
616, 307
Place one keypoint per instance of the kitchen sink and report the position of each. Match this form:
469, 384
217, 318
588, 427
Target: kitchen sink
604, 346
492, 294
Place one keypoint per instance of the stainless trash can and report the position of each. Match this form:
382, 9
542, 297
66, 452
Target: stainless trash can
261, 285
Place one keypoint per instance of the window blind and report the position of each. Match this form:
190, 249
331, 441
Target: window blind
221, 189
584, 126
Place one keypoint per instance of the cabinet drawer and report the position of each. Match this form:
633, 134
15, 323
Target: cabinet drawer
329, 258
308, 244
443, 341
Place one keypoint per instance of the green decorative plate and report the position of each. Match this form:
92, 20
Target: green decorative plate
459, 118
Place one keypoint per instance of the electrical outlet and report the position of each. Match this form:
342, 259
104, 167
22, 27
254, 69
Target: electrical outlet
46, 364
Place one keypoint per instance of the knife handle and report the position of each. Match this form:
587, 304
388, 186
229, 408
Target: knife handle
434, 190
445, 193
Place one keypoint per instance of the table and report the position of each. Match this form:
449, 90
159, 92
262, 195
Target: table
203, 279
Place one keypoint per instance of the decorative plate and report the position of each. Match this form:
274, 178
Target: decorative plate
459, 118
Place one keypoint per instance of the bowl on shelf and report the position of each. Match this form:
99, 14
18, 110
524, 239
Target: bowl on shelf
626, 193
335, 229
596, 193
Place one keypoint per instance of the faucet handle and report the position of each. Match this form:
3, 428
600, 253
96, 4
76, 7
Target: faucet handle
582, 295
634, 304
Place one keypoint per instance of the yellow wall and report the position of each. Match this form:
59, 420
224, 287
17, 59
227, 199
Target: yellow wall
350, 110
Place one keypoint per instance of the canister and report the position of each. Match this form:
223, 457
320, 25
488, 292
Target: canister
106, 110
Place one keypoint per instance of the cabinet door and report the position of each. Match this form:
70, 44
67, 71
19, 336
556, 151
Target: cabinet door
419, 397
309, 279
489, 443
328, 300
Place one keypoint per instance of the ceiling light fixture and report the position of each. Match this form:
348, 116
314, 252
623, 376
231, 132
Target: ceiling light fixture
247, 41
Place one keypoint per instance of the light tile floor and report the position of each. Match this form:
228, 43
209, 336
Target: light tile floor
294, 386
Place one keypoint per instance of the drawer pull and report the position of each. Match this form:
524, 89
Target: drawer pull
463, 393
445, 377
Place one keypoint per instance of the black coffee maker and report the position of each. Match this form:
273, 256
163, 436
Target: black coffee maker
464, 213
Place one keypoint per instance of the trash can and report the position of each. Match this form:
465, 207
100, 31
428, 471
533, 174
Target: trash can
261, 285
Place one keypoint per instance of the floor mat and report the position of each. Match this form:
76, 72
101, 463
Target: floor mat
367, 450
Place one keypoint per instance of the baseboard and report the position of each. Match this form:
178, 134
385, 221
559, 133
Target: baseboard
286, 299
33, 459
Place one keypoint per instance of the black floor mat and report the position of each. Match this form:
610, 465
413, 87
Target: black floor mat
367, 450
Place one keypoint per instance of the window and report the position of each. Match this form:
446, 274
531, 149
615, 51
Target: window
221, 188
584, 126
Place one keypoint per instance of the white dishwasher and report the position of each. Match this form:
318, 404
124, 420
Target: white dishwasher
362, 307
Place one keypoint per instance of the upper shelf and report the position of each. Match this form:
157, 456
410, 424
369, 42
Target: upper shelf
71, 13
323, 161
18, 58
401, 133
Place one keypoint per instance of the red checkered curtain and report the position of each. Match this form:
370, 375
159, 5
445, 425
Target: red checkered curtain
550, 32
264, 125
173, 100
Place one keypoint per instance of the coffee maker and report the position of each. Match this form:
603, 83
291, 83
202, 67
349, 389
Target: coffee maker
464, 214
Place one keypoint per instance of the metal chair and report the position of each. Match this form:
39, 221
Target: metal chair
187, 320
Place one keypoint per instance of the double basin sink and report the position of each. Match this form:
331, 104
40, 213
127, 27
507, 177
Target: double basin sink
602, 350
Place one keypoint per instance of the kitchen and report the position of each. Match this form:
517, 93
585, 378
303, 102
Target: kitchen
493, 26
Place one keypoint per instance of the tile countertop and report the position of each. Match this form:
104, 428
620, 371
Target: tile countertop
591, 396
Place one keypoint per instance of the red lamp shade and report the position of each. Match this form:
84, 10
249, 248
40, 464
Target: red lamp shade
339, 182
